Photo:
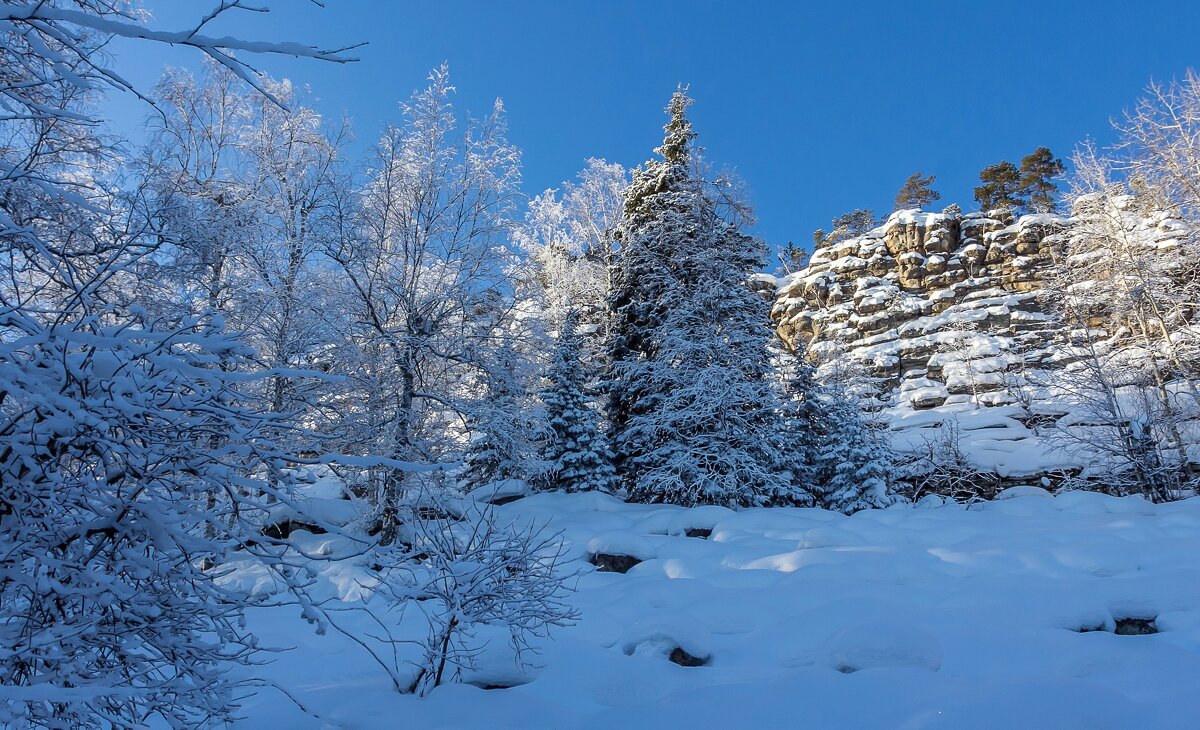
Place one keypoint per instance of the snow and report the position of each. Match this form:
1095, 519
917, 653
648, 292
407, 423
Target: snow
934, 617
912, 216
500, 490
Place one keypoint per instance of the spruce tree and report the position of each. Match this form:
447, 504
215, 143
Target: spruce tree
693, 409
1038, 171
917, 192
805, 421
644, 264
576, 450
853, 460
1001, 188
498, 425
490, 455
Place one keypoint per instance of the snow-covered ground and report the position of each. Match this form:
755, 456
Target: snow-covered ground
935, 616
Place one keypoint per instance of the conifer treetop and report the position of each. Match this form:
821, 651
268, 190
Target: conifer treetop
679, 135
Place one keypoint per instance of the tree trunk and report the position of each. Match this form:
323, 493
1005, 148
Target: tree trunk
394, 482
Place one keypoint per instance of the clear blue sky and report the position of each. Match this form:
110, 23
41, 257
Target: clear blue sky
821, 107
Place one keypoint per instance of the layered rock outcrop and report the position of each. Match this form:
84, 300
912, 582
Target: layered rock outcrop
947, 312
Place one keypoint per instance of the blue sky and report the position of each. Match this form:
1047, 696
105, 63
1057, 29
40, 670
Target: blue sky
821, 107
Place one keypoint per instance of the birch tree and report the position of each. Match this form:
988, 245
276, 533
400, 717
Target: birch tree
1124, 285
424, 254
568, 236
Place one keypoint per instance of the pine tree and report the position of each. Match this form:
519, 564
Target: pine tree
1001, 189
847, 225
853, 460
917, 192
1038, 171
693, 410
855, 223
792, 257
576, 450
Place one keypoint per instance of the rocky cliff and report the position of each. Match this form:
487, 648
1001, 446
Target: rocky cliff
947, 313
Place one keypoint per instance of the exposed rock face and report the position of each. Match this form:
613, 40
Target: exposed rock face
946, 311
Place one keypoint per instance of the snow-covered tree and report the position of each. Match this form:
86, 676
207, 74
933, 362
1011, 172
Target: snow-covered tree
200, 198
500, 423
295, 163
847, 225
241, 190
128, 470
477, 574
792, 258
568, 238
692, 406
422, 249
1125, 284
853, 458
941, 466
1120, 427
805, 421
1159, 145
576, 451
115, 505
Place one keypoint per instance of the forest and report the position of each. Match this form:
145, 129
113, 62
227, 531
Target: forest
260, 393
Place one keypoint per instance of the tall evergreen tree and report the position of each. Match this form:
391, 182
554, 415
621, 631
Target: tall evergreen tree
1001, 188
577, 452
1038, 170
917, 192
694, 413
644, 266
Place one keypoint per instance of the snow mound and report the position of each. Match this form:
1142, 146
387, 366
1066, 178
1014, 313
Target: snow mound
882, 643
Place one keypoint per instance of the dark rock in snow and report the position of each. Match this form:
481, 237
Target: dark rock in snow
1135, 627
435, 513
700, 532
683, 659
282, 530
614, 563
1126, 627
500, 501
